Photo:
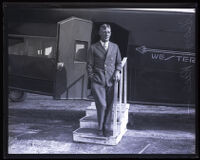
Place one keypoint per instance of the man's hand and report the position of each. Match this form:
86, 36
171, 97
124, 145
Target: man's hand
116, 75
60, 65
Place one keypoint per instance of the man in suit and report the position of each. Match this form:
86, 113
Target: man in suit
104, 67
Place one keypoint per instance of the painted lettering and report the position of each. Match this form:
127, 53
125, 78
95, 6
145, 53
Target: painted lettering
192, 59
169, 58
161, 56
154, 56
179, 58
185, 59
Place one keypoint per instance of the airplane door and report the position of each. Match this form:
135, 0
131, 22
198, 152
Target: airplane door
74, 36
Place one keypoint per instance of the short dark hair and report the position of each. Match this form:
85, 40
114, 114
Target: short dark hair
104, 26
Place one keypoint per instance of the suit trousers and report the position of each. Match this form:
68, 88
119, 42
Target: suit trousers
104, 96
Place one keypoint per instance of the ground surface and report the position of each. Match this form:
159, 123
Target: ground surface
42, 125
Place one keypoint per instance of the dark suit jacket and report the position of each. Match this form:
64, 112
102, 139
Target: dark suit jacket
102, 64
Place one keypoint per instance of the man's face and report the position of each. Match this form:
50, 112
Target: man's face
105, 34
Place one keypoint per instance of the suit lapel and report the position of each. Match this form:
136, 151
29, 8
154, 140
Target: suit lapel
100, 47
110, 47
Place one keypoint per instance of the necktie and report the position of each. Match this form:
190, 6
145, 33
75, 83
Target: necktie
105, 46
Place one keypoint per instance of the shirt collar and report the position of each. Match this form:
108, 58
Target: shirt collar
102, 43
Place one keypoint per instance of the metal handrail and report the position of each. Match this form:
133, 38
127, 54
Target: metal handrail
124, 61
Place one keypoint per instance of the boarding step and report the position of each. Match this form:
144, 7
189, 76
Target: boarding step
91, 110
89, 135
123, 105
124, 115
91, 122
88, 127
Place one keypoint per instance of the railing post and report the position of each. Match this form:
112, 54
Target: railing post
115, 127
122, 85
125, 84
120, 93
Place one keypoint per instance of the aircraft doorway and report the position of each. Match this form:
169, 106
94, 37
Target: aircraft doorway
119, 36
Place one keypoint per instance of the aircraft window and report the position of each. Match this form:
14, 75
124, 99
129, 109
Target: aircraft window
48, 51
34, 47
81, 51
49, 46
39, 51
42, 47
16, 46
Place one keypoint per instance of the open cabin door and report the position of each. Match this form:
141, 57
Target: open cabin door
74, 36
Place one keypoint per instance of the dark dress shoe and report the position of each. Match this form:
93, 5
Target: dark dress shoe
108, 133
100, 133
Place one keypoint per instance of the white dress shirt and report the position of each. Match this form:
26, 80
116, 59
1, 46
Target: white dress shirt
104, 44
